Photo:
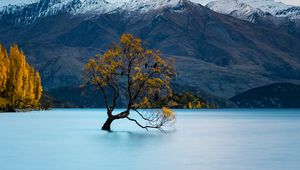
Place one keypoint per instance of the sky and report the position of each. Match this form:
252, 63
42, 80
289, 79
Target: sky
203, 2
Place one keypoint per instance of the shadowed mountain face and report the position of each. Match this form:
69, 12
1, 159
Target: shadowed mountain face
280, 95
215, 53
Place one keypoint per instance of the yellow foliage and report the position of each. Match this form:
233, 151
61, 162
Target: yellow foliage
168, 112
4, 68
3, 103
145, 103
20, 83
143, 71
190, 105
38, 89
195, 105
140, 73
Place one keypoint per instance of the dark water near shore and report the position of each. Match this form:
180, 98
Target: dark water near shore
71, 139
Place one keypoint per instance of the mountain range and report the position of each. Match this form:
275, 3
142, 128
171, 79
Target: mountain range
269, 13
215, 53
250, 9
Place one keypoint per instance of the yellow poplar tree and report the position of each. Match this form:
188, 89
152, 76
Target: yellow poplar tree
4, 69
21, 85
38, 89
17, 75
31, 85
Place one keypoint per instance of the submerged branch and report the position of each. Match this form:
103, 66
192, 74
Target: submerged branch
143, 117
145, 127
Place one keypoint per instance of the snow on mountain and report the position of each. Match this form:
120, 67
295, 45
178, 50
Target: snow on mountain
247, 9
15, 2
146, 5
92, 6
236, 9
243, 9
30, 12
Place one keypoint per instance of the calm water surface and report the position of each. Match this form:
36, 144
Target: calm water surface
204, 139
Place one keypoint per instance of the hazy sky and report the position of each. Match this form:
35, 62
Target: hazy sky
203, 2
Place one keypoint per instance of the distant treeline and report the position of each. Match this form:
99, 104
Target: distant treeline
75, 97
183, 101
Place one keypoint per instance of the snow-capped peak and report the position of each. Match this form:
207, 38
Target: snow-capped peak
146, 5
235, 8
244, 9
102, 6
42, 8
28, 13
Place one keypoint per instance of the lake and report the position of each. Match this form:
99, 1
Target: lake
71, 139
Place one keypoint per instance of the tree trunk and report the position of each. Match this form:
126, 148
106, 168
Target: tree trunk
107, 124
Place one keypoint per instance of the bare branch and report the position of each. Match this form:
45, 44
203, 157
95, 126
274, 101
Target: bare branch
155, 120
142, 116
146, 127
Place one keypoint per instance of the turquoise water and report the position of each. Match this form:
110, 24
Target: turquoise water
71, 139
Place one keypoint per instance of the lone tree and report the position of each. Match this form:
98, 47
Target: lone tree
139, 74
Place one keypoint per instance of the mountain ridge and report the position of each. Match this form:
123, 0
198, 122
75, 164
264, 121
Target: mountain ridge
278, 95
215, 53
44, 8
249, 9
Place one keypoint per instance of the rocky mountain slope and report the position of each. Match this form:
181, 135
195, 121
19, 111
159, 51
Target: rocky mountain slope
215, 53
